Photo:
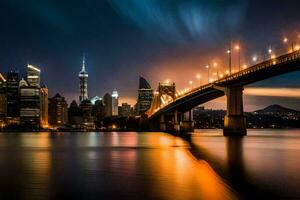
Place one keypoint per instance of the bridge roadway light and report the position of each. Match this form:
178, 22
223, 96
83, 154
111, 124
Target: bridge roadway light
229, 58
207, 67
270, 51
254, 58
245, 66
198, 76
238, 48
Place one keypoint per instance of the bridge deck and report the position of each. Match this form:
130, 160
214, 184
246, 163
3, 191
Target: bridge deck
273, 67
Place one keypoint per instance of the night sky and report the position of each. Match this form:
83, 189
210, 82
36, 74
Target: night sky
157, 39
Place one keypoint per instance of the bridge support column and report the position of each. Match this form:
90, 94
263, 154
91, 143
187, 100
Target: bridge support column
235, 122
176, 123
187, 122
162, 123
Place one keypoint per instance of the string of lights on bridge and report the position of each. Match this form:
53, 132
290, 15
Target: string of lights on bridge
213, 68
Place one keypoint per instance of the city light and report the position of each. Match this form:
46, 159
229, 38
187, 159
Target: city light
237, 47
270, 51
285, 40
254, 58
198, 76
245, 66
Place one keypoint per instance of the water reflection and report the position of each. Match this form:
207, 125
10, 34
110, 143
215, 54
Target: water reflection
104, 166
261, 165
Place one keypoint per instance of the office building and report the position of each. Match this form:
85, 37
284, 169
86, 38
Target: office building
124, 110
58, 111
145, 96
114, 103
107, 101
33, 76
12, 97
3, 101
29, 104
44, 107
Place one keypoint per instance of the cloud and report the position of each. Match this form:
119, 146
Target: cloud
182, 20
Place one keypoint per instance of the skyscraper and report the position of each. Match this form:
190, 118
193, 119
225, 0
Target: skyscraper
58, 111
33, 76
12, 95
145, 96
83, 82
124, 110
115, 102
107, 101
2, 100
29, 104
44, 107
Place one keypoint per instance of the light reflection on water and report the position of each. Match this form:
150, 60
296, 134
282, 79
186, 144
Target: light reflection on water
104, 166
264, 164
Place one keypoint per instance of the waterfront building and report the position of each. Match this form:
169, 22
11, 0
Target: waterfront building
83, 82
124, 110
107, 101
74, 114
12, 97
44, 107
58, 111
145, 96
29, 104
98, 112
115, 102
87, 120
3, 101
33, 76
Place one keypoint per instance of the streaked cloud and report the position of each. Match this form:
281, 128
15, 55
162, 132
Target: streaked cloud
183, 20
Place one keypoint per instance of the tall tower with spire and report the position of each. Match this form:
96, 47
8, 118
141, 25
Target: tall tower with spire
83, 82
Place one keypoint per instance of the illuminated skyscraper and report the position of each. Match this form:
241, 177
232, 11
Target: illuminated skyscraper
107, 101
58, 111
2, 100
44, 107
115, 102
12, 95
29, 104
83, 82
33, 76
145, 96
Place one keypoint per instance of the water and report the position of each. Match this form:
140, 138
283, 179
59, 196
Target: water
149, 165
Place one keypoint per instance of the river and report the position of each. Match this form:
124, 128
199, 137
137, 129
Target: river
150, 165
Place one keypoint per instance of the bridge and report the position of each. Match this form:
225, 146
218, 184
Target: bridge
176, 114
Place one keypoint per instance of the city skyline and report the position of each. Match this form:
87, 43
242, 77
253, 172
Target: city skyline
116, 43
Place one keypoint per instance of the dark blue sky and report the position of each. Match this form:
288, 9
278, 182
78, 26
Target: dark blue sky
158, 39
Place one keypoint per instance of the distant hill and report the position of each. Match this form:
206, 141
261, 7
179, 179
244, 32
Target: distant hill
276, 109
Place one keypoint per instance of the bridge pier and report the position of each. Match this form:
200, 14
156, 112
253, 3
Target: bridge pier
176, 123
162, 123
187, 122
235, 121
